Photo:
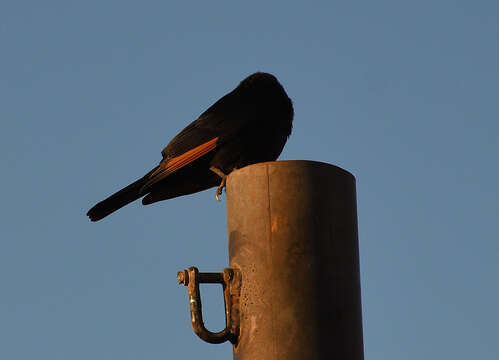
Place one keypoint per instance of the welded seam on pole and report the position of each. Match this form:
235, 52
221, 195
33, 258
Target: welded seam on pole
274, 350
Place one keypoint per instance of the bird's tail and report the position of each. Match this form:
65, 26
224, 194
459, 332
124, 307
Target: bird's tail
119, 199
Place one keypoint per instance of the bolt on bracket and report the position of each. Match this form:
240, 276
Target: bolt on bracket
230, 279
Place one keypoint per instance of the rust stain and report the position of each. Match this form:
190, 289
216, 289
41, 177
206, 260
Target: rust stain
274, 227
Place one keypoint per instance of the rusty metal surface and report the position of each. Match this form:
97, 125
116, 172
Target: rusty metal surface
231, 283
292, 229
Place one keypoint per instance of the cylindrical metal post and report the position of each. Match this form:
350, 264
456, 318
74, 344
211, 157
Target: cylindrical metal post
293, 234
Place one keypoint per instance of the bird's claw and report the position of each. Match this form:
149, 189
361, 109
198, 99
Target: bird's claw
222, 184
220, 189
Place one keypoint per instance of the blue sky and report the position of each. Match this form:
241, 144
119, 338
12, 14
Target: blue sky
402, 94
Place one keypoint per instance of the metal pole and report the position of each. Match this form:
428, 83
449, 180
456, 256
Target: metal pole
293, 235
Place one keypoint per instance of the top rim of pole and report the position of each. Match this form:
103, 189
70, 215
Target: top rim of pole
302, 162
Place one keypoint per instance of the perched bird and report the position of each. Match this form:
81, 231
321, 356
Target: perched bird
248, 125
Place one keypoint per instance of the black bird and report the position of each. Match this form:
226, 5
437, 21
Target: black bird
248, 125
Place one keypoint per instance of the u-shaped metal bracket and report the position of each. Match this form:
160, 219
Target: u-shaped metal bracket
231, 283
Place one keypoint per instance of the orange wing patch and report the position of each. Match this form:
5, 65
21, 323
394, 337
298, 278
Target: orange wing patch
191, 155
165, 169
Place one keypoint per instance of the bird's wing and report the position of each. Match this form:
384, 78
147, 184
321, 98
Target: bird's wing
225, 119
222, 121
169, 165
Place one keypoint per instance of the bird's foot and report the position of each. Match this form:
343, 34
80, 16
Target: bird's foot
220, 188
222, 184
